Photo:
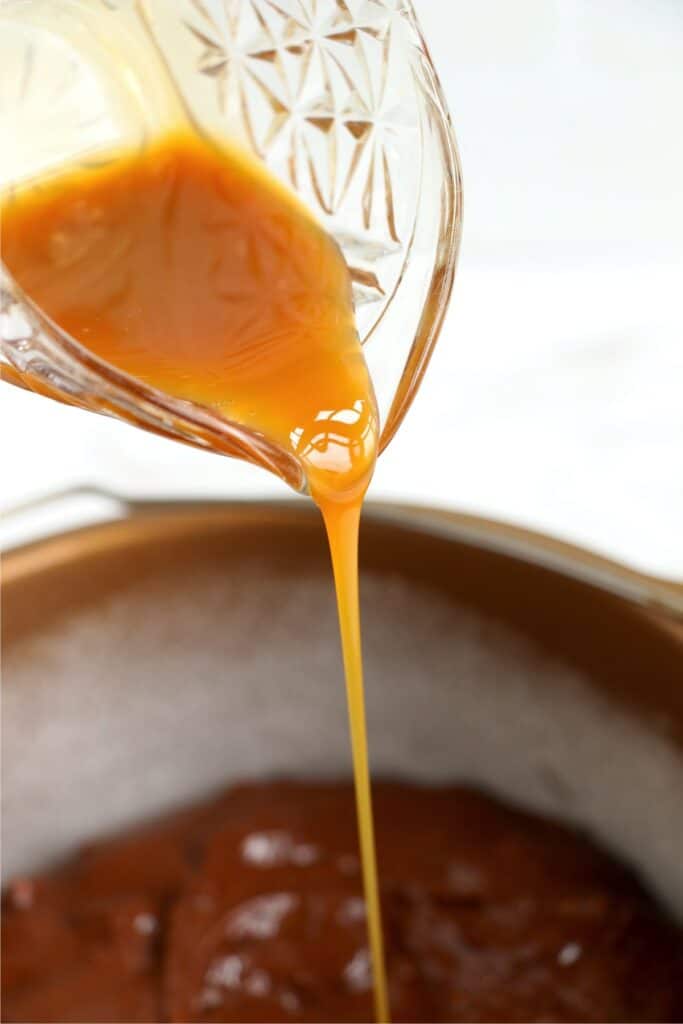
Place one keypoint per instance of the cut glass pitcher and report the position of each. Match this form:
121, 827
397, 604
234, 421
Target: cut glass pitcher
339, 98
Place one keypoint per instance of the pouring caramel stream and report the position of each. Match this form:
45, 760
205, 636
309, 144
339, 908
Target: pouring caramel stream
196, 272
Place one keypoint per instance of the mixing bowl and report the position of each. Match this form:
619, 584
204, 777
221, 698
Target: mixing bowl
151, 659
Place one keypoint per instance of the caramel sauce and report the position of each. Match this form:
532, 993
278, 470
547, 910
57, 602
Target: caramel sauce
194, 271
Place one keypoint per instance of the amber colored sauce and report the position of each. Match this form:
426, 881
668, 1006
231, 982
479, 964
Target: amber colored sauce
194, 271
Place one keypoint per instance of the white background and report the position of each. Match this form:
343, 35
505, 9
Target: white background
559, 374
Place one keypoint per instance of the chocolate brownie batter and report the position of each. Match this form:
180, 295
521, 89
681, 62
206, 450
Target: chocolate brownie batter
249, 908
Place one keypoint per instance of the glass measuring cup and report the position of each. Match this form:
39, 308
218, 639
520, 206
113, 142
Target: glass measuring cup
340, 100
